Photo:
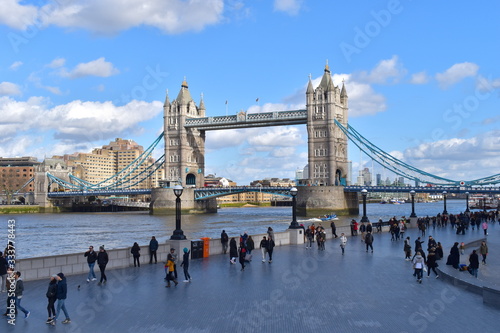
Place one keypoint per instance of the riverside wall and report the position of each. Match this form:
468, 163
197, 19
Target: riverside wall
76, 263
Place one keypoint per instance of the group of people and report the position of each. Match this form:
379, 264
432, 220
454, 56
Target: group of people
102, 260
171, 267
319, 232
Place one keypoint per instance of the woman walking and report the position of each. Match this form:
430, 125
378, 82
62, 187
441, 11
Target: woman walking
233, 251
51, 297
484, 251
136, 252
102, 261
418, 266
343, 242
431, 262
407, 249
263, 248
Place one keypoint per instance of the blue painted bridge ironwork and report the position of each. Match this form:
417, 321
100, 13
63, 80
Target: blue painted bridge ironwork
214, 192
425, 189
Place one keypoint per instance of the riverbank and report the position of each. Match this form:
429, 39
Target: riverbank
19, 209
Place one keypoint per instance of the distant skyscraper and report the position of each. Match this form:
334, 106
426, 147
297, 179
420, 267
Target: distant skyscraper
379, 179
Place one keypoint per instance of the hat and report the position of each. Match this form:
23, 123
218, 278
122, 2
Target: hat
172, 249
55, 275
101, 247
186, 250
61, 275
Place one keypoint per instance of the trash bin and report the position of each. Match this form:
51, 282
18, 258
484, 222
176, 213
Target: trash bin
206, 246
196, 249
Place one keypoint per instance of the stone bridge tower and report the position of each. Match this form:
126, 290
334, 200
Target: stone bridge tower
184, 148
327, 145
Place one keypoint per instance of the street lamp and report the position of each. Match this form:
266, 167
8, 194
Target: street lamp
445, 212
467, 210
294, 224
178, 233
364, 192
412, 193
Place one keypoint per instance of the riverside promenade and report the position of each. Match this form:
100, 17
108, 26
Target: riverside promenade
302, 290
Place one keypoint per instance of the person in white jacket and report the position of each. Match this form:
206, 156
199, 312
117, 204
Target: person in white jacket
343, 242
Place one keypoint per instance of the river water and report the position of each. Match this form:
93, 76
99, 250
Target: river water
39, 235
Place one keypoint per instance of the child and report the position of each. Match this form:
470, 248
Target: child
169, 269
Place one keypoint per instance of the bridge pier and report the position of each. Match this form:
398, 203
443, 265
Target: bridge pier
163, 202
321, 200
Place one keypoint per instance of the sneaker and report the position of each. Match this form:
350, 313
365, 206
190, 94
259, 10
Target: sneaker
66, 321
270, 261
176, 283
437, 276
27, 315
49, 321
185, 281
263, 260
94, 279
167, 286
88, 280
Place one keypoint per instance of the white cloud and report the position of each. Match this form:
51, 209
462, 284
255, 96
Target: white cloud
76, 121
170, 16
291, 7
17, 16
283, 136
56, 63
9, 88
487, 84
15, 65
456, 73
99, 67
386, 71
419, 78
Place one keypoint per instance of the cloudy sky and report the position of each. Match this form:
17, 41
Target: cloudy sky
421, 76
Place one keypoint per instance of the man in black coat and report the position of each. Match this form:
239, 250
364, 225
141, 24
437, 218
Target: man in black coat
153, 247
91, 259
61, 294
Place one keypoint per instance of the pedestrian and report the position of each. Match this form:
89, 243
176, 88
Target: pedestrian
10, 310
270, 245
250, 245
454, 257
62, 293
270, 234
233, 251
310, 238
18, 294
51, 298
369, 241
153, 247
136, 253
173, 256
485, 228
407, 249
102, 261
431, 262
334, 229
483, 249
263, 247
91, 259
473, 263
343, 242
362, 229
169, 268
242, 253
379, 225
3, 273
185, 264
224, 239
439, 251
418, 266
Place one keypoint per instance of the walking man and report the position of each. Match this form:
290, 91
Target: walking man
369, 241
153, 247
334, 229
91, 259
18, 294
474, 263
102, 261
185, 265
62, 292
343, 242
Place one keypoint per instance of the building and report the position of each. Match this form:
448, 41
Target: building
102, 166
15, 175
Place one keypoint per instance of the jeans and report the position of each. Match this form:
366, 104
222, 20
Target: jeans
186, 273
224, 247
61, 305
419, 273
473, 271
91, 271
264, 251
151, 255
370, 246
19, 307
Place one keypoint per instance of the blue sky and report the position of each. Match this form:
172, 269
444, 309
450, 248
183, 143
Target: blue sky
421, 76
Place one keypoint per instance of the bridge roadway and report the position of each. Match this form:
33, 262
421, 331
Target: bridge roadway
303, 290
212, 192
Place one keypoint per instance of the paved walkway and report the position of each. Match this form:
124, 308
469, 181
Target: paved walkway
301, 291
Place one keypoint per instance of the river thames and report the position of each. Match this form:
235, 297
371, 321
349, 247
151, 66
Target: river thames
39, 235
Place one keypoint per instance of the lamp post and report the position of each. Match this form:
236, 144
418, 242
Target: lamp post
445, 212
364, 218
178, 233
467, 210
412, 193
294, 224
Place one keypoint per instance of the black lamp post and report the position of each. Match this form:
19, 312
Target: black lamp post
467, 210
364, 218
412, 193
294, 224
178, 233
445, 212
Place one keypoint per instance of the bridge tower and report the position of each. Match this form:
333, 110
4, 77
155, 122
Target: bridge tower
327, 145
184, 147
